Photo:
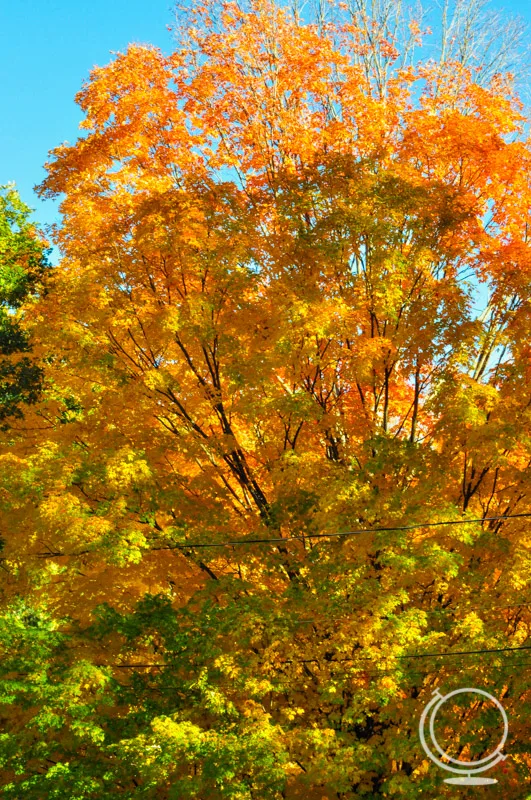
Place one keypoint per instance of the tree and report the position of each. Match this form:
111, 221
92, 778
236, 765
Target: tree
470, 32
264, 326
22, 266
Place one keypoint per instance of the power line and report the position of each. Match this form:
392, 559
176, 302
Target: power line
339, 534
230, 683
315, 620
376, 674
346, 533
407, 656
284, 539
454, 671
466, 652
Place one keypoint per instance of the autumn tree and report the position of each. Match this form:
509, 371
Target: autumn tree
401, 33
289, 305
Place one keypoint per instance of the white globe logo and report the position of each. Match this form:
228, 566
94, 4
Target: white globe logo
469, 769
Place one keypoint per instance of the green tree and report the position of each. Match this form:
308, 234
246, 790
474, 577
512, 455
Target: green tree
23, 263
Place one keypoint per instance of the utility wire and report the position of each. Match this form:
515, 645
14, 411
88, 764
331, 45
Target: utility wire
314, 620
467, 652
338, 534
407, 656
347, 533
383, 672
284, 539
230, 683
365, 674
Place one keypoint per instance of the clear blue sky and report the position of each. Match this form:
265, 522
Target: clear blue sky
47, 48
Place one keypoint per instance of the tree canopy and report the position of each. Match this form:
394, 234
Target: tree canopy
289, 304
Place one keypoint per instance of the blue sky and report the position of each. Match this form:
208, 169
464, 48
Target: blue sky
47, 48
